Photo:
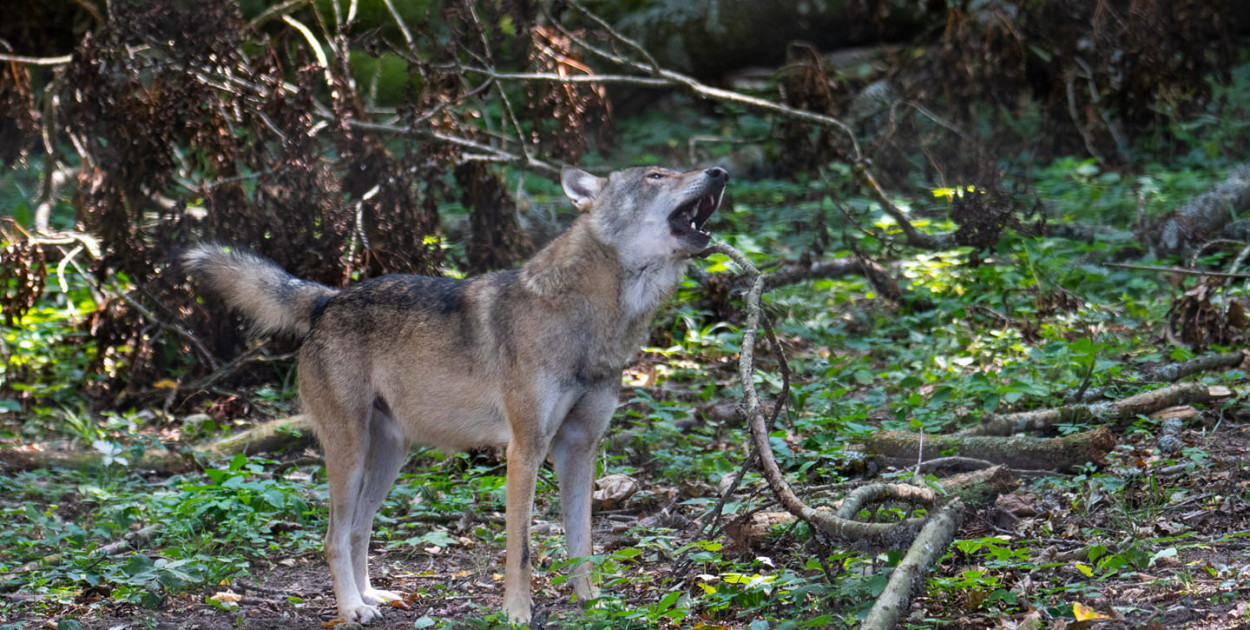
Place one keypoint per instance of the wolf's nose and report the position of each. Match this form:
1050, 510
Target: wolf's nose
717, 173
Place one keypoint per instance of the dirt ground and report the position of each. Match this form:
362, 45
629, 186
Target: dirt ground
1204, 585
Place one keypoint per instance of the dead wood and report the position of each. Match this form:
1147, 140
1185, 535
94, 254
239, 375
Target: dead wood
159, 460
1063, 454
981, 487
909, 576
268, 437
275, 435
1173, 372
1200, 220
928, 538
879, 276
1144, 403
132, 540
838, 527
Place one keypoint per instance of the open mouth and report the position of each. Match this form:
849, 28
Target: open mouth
688, 219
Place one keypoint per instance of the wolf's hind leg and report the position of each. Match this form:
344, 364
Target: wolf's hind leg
346, 464
386, 451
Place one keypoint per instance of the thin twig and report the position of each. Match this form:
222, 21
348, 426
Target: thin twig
717, 94
37, 61
276, 11
182, 332
403, 28
607, 28
606, 79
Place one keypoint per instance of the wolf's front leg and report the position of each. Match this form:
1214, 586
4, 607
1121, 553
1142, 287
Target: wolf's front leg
573, 452
525, 457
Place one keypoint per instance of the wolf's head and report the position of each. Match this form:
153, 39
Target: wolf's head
649, 213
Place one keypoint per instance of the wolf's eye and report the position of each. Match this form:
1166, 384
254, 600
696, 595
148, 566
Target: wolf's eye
655, 175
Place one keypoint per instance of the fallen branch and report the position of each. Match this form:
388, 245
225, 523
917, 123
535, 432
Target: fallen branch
132, 540
844, 531
928, 538
1065, 454
1154, 400
159, 460
1173, 372
913, 237
274, 435
981, 487
909, 576
879, 276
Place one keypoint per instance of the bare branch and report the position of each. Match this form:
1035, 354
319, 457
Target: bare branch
37, 61
1180, 270
908, 577
716, 94
638, 48
487, 152
277, 11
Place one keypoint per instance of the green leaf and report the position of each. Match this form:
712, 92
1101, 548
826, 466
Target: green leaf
668, 600
1170, 552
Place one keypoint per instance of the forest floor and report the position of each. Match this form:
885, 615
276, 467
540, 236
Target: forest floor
1167, 547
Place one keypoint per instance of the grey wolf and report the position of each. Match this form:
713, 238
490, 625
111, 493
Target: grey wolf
528, 358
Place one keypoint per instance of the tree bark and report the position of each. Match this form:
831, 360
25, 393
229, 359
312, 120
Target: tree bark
275, 435
1063, 454
909, 576
1146, 402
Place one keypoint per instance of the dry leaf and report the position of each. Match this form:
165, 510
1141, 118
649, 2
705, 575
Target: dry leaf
614, 490
1085, 613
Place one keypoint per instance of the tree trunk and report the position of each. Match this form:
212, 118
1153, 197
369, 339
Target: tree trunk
707, 38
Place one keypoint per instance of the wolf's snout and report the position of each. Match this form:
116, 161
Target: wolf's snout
717, 174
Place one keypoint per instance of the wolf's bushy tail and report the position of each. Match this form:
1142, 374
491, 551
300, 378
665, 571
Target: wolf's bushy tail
269, 297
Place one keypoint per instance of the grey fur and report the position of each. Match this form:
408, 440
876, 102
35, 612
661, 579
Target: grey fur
529, 358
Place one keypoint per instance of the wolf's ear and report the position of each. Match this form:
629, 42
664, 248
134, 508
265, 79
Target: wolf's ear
581, 187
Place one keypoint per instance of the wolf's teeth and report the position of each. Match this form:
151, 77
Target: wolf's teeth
693, 226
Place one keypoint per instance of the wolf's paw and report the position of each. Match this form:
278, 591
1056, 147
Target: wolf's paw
360, 614
518, 614
376, 597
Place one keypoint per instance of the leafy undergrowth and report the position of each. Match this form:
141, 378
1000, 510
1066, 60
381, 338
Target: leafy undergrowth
1152, 538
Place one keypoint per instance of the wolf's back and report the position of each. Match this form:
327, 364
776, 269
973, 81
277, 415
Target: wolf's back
269, 297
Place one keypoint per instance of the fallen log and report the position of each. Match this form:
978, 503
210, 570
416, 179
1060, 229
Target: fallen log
1064, 454
910, 575
159, 460
268, 437
1202, 219
1173, 372
1144, 403
979, 488
274, 435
